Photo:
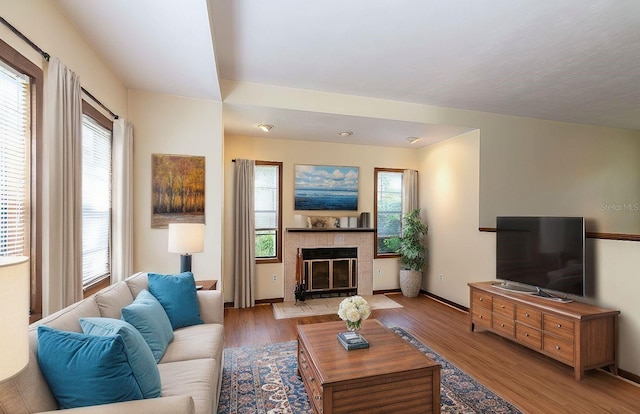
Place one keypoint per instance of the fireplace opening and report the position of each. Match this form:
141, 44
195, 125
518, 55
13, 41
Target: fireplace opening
331, 271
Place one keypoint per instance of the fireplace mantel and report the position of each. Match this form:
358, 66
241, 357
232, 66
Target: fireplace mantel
329, 229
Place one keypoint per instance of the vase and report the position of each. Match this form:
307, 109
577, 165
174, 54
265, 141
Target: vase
354, 326
410, 281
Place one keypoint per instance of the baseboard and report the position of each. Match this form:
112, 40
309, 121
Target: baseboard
383, 291
445, 301
629, 376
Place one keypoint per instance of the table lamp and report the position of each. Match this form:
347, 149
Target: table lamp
186, 238
14, 308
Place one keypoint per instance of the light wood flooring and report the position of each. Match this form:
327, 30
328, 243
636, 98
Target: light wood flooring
532, 382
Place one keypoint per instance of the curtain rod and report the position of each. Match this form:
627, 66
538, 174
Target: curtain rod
46, 57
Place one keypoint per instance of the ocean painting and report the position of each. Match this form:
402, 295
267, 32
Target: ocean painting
323, 187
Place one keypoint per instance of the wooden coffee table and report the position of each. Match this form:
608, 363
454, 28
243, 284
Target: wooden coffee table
390, 376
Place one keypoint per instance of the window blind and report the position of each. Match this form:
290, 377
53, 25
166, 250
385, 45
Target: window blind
14, 148
96, 201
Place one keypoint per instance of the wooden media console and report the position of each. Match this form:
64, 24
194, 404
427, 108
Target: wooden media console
577, 334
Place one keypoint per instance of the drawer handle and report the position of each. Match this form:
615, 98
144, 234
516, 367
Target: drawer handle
557, 347
502, 324
480, 316
318, 397
481, 299
502, 306
526, 334
559, 326
526, 315
312, 379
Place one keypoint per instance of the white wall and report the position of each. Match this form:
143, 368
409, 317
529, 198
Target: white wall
305, 152
43, 23
449, 193
166, 124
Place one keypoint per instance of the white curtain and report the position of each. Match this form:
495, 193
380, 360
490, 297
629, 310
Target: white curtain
409, 191
62, 189
122, 201
244, 257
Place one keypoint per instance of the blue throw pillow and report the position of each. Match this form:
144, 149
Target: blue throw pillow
178, 296
147, 315
141, 358
84, 370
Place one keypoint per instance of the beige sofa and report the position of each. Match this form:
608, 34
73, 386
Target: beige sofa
190, 370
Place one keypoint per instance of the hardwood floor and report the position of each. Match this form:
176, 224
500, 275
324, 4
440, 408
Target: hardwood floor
532, 382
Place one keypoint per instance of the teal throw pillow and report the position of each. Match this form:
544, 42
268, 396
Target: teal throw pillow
178, 296
147, 315
143, 363
84, 370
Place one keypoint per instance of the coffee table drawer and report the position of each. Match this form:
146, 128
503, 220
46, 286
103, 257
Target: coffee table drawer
309, 378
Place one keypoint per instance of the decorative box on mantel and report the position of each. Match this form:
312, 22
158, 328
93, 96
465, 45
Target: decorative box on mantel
361, 238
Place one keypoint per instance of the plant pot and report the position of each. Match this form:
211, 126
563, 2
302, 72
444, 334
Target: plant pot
410, 281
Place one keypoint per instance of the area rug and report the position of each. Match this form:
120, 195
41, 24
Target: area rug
326, 306
264, 380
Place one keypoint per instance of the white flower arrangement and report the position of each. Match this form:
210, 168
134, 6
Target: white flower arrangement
354, 310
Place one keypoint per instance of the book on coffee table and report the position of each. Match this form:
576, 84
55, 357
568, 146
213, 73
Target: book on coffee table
352, 340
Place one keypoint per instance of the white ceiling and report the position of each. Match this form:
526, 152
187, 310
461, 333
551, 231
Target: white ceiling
570, 60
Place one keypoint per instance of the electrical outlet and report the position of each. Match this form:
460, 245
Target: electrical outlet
379, 272
275, 278
441, 277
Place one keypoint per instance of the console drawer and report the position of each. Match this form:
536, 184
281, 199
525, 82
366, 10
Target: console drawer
558, 326
529, 316
504, 325
503, 307
529, 336
482, 300
482, 316
558, 348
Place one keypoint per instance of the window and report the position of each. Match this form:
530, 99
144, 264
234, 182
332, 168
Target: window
268, 199
96, 196
388, 208
20, 136
14, 162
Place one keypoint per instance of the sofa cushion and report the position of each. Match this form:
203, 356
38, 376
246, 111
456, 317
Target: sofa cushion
196, 342
112, 299
177, 294
147, 315
197, 378
141, 358
84, 370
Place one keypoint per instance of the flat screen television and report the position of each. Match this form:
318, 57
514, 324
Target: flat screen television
536, 253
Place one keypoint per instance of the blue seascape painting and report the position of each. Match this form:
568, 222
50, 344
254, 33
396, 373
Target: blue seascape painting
321, 187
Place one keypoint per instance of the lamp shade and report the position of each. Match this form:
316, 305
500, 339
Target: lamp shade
14, 308
185, 238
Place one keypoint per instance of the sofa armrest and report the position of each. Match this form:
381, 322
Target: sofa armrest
163, 405
211, 306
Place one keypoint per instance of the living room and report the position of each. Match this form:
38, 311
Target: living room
503, 165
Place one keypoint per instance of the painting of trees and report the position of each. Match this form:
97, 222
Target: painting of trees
177, 189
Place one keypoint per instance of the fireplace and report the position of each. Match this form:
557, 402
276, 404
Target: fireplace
359, 239
331, 271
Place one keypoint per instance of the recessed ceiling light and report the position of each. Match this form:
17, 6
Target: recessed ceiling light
346, 133
413, 140
265, 127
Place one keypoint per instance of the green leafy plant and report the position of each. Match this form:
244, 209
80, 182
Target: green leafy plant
409, 245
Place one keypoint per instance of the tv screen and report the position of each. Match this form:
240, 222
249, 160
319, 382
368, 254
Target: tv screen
542, 252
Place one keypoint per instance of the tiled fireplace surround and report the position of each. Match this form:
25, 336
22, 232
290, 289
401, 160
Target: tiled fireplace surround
310, 238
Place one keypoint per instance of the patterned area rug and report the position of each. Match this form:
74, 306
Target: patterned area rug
326, 306
264, 380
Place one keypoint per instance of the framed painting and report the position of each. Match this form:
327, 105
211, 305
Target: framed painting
326, 187
177, 189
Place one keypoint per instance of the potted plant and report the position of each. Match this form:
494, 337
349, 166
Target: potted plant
411, 251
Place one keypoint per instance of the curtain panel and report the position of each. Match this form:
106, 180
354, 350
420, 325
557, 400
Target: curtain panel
122, 201
62, 189
244, 258
409, 191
